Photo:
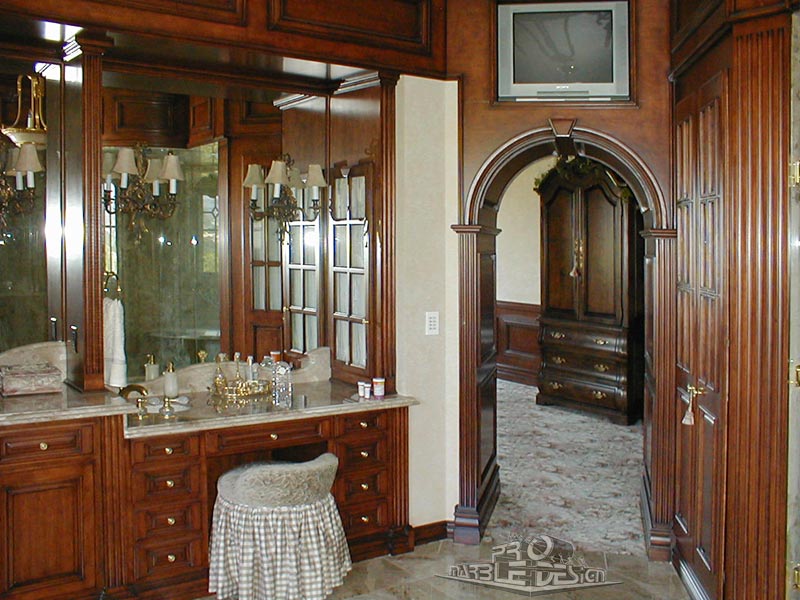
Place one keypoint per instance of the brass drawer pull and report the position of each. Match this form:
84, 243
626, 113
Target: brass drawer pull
365, 486
43, 445
171, 558
363, 424
364, 454
554, 385
597, 395
559, 360
170, 521
600, 342
365, 519
273, 436
557, 335
168, 450
170, 483
601, 367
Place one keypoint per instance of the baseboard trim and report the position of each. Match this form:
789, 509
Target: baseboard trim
657, 536
430, 532
517, 375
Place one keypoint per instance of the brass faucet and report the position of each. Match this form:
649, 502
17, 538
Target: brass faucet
140, 401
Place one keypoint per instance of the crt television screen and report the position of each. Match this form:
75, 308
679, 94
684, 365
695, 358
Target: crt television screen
563, 47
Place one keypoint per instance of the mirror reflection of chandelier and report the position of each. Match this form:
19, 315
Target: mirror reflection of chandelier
284, 177
148, 187
29, 127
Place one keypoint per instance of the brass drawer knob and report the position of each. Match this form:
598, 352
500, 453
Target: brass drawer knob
600, 342
170, 483
364, 454
598, 395
168, 450
43, 445
559, 360
273, 436
365, 486
554, 385
365, 519
171, 558
363, 424
601, 367
557, 335
170, 521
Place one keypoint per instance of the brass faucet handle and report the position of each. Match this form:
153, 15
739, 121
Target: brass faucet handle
129, 389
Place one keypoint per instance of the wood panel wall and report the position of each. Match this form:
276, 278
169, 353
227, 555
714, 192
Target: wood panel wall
518, 353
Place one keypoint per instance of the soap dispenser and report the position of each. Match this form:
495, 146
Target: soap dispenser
150, 368
170, 381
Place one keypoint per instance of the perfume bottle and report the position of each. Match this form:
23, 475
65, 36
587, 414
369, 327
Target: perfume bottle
150, 368
170, 381
220, 381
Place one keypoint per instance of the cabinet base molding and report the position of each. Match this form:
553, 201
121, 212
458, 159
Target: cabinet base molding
470, 522
431, 532
657, 536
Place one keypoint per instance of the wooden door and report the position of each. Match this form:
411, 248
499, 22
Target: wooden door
701, 356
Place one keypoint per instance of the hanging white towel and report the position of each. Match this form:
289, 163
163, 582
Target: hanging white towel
116, 365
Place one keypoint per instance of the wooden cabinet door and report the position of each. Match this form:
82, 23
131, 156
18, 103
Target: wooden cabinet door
558, 254
47, 531
600, 254
701, 367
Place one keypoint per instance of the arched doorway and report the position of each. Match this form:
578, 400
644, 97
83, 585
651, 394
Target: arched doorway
478, 470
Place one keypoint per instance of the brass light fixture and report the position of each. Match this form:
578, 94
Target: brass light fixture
282, 206
29, 127
139, 192
18, 198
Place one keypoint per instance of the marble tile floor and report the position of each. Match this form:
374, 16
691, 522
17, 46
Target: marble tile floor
414, 576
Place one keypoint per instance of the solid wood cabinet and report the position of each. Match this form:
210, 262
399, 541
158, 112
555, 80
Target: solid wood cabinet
49, 516
591, 323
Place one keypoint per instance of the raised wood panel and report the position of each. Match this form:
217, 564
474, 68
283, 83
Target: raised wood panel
221, 11
518, 353
355, 124
206, 120
152, 118
403, 25
245, 117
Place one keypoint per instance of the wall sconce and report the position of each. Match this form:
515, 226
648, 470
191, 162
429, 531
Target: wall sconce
22, 164
282, 206
139, 192
29, 127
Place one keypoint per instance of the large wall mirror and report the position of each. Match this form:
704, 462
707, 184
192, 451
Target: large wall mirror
31, 95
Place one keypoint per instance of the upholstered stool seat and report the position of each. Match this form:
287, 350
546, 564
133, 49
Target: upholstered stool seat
276, 532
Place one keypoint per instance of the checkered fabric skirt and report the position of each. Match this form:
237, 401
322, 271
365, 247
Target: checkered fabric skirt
284, 553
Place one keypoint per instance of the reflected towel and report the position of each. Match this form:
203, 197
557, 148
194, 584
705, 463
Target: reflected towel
116, 365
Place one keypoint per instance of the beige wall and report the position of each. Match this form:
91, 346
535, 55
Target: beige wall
518, 246
427, 280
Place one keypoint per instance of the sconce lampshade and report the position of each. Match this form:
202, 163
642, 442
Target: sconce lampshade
126, 162
108, 165
11, 162
172, 168
28, 160
315, 177
254, 177
277, 173
295, 180
154, 169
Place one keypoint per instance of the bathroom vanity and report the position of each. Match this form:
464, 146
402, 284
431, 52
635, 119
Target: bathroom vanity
94, 496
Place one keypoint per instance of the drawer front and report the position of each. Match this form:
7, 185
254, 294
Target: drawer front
168, 521
361, 454
268, 435
365, 518
363, 423
165, 449
46, 443
159, 560
591, 365
362, 486
166, 484
587, 392
587, 338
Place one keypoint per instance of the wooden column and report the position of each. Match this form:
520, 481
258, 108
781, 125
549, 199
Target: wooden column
757, 158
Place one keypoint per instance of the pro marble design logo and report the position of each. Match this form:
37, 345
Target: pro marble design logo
532, 567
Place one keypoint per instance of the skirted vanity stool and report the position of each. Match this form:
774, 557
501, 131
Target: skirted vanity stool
276, 532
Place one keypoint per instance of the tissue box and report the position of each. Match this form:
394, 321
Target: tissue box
17, 380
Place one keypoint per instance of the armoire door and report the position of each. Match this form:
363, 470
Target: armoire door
701, 353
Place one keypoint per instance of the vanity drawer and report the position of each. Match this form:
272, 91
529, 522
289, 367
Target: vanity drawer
266, 436
46, 442
363, 423
362, 486
169, 521
159, 560
166, 484
365, 518
360, 454
165, 449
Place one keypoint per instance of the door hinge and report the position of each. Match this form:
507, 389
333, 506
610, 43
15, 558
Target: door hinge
796, 577
794, 174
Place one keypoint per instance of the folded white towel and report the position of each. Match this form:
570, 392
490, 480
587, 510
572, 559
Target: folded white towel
116, 365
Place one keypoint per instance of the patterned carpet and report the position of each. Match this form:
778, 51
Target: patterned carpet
567, 475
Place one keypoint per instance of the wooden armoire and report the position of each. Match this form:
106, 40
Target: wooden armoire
591, 325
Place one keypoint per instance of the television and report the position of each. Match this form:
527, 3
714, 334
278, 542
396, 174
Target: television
563, 51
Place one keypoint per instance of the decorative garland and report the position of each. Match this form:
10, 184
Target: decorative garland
578, 168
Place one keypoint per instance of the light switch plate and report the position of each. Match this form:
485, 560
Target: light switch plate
432, 323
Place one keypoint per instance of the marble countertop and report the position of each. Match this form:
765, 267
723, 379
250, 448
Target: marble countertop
313, 399
193, 413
